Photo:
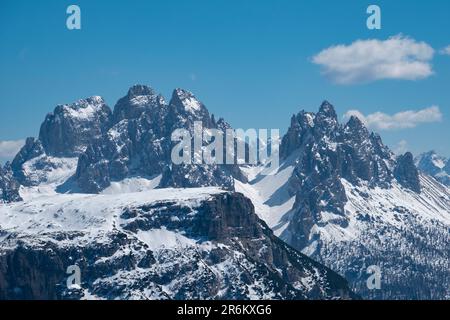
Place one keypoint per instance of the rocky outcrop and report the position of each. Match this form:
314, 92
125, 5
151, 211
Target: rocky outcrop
139, 99
70, 128
406, 172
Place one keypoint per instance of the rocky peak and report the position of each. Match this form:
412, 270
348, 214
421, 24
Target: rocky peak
406, 172
356, 131
139, 99
326, 111
140, 90
380, 149
301, 125
326, 121
186, 101
326, 108
68, 130
185, 109
354, 123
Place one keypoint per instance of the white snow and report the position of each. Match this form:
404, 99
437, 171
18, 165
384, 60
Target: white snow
438, 162
48, 179
141, 100
92, 213
136, 184
269, 194
82, 109
162, 238
191, 104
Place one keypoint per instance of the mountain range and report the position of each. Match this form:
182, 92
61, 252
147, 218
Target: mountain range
97, 189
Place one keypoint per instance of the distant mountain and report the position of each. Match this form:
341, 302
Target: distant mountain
343, 198
434, 165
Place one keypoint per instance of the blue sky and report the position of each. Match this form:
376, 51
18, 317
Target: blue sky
251, 62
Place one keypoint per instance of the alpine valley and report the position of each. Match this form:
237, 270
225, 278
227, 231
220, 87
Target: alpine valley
97, 189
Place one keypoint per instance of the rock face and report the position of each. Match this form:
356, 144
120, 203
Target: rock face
328, 152
139, 99
212, 247
406, 172
9, 187
70, 128
139, 144
434, 165
64, 135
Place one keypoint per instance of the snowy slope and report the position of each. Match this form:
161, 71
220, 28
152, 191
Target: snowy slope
82, 212
201, 243
270, 194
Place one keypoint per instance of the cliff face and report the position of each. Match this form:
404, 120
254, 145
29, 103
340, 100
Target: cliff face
70, 128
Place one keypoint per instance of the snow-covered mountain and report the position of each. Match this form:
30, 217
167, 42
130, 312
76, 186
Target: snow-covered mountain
158, 244
343, 198
98, 189
434, 165
129, 239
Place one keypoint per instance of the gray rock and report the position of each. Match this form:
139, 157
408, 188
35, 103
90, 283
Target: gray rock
140, 99
9, 187
68, 130
406, 172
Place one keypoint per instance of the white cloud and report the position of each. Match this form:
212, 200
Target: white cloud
8, 149
398, 57
401, 147
445, 51
401, 120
